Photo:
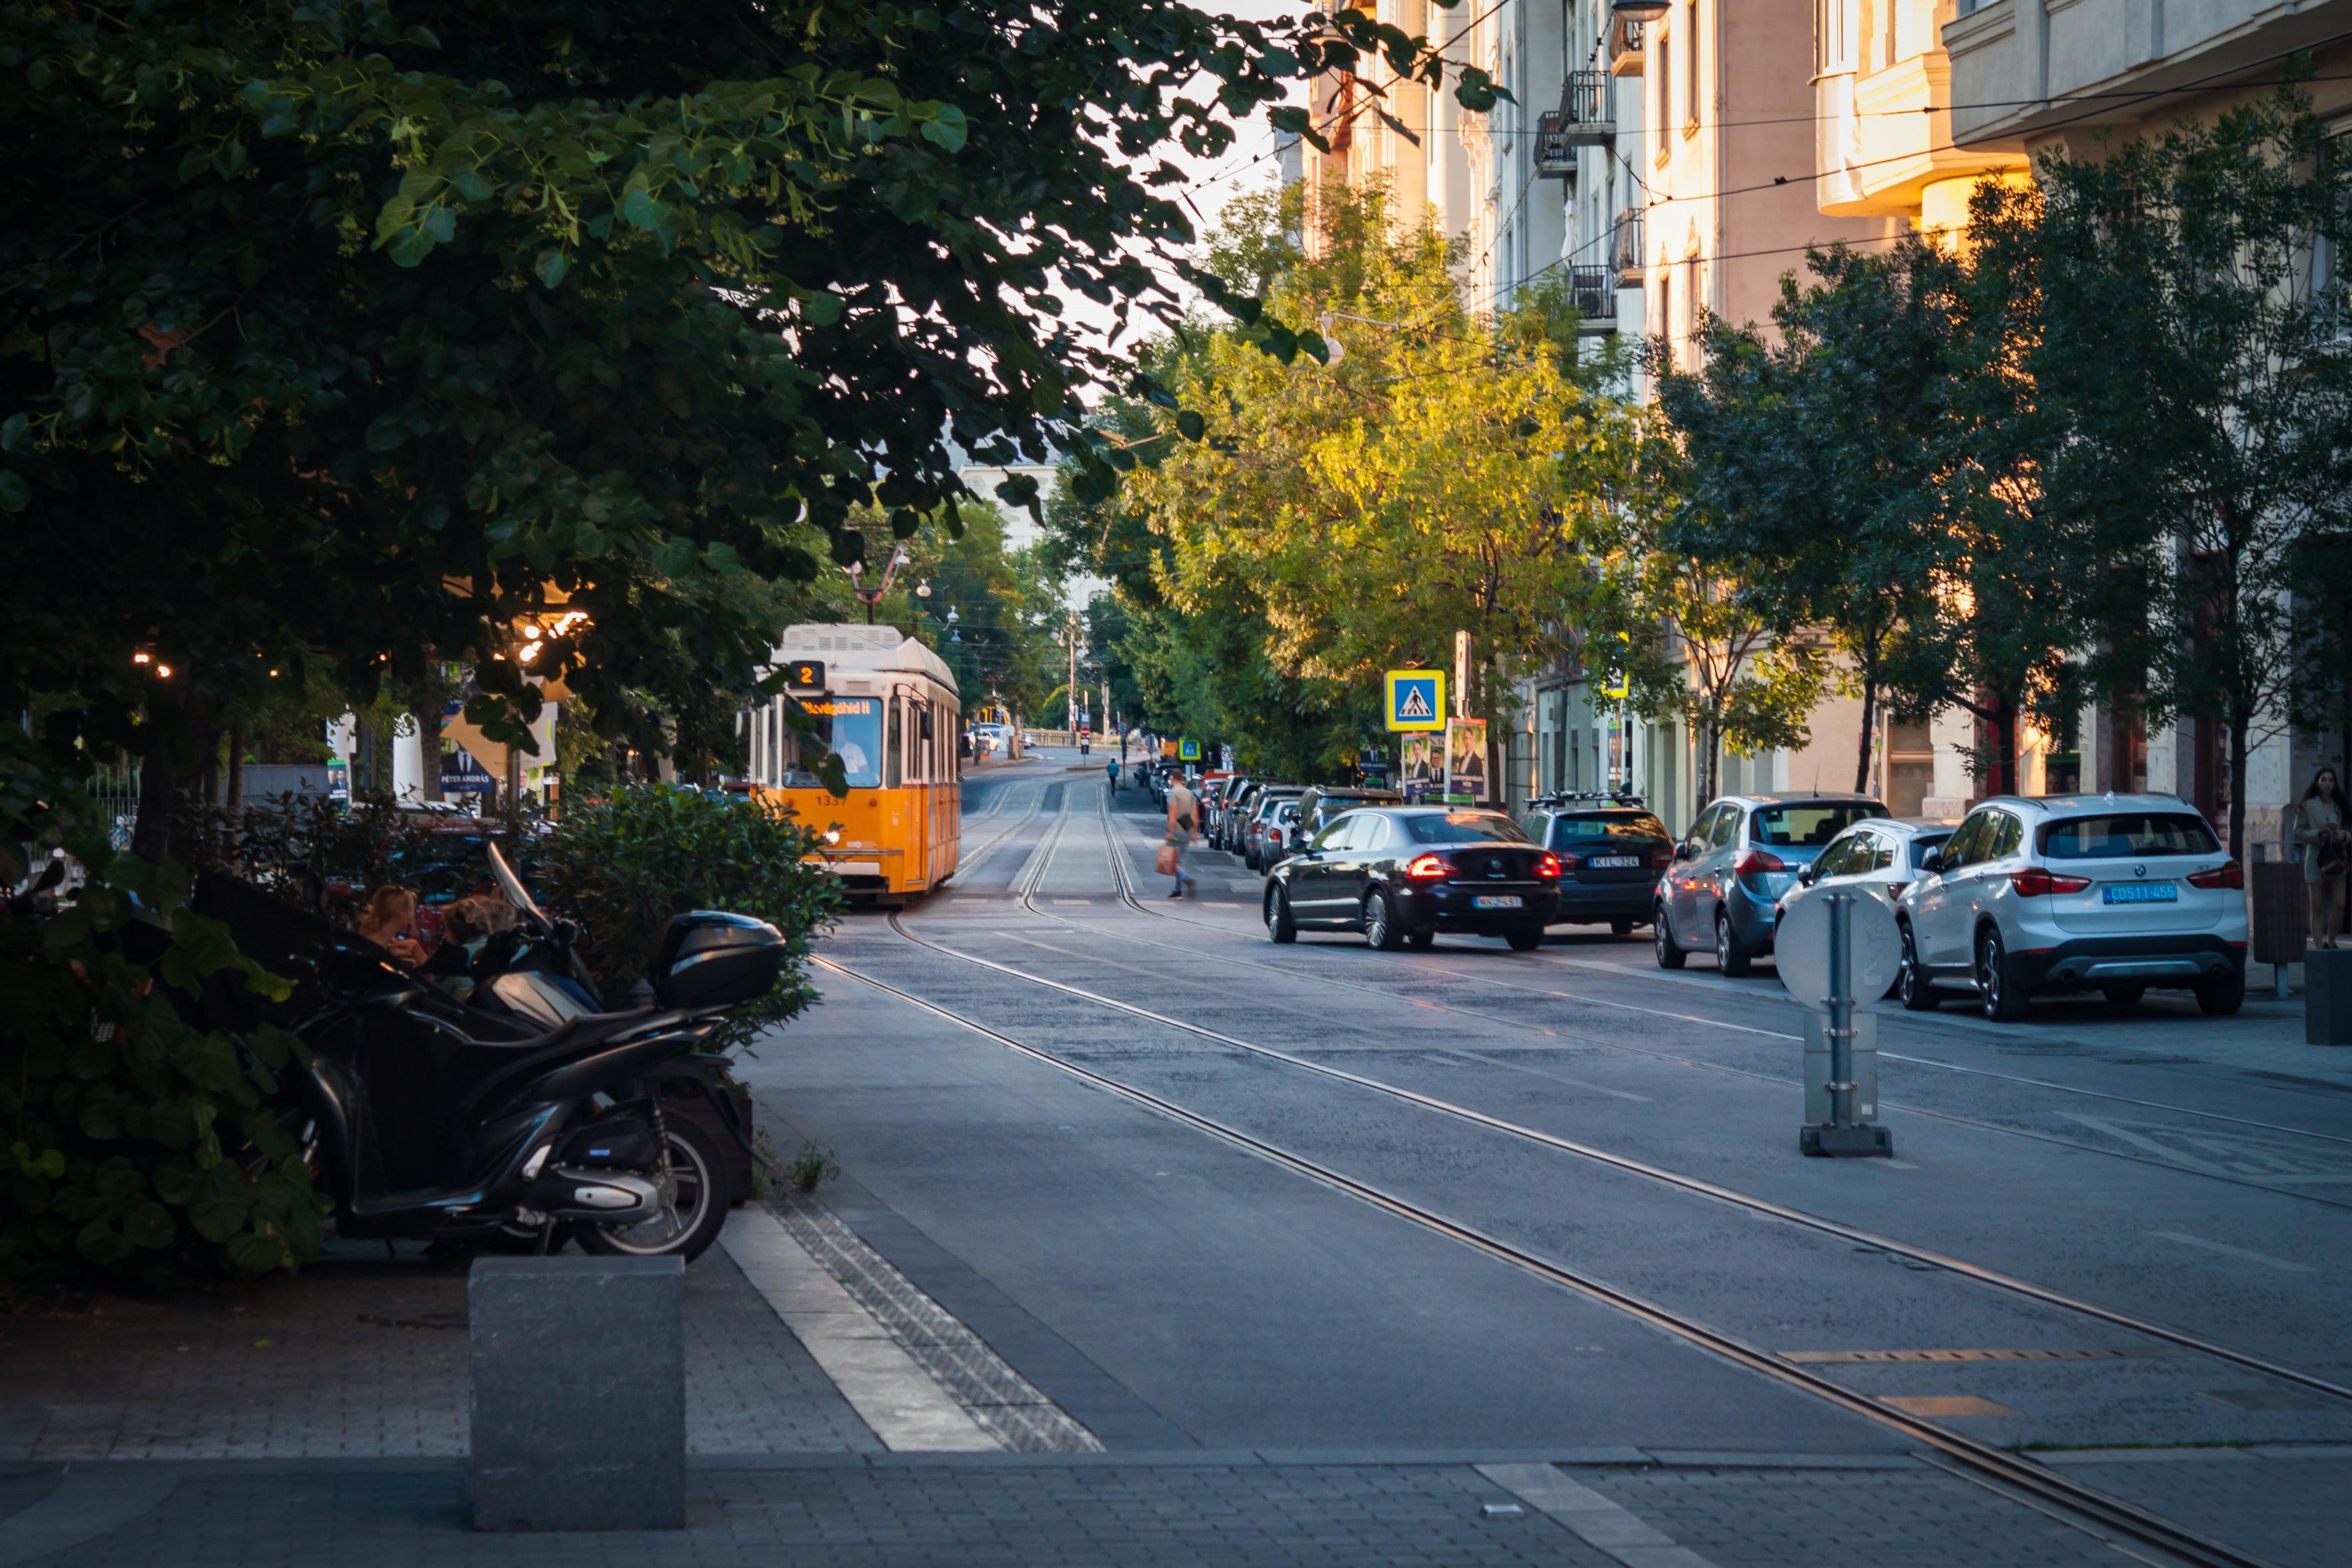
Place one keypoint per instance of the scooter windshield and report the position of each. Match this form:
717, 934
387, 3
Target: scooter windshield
516, 895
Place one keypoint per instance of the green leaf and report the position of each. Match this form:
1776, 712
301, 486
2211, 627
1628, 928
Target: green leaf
13, 431
947, 128
821, 309
1190, 423
552, 267
14, 494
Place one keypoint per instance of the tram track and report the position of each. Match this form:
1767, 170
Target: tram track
1128, 896
2086, 1508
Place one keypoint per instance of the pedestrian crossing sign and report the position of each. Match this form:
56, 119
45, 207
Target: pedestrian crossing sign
1416, 699
1188, 751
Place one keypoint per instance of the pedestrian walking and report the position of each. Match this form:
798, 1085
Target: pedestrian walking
1183, 817
1111, 768
2322, 818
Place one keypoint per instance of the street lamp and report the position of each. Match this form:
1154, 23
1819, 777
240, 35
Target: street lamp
870, 597
1639, 10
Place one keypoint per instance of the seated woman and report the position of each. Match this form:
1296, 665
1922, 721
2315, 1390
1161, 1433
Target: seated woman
384, 919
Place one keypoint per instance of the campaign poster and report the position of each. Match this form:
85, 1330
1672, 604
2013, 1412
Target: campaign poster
1423, 772
1465, 762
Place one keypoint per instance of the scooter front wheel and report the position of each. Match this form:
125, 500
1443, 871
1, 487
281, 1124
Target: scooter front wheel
690, 1219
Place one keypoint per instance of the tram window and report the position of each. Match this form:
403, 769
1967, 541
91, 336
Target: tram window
849, 727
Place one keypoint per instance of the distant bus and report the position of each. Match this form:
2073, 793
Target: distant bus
890, 711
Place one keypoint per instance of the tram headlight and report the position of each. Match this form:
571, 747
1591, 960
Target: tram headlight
832, 835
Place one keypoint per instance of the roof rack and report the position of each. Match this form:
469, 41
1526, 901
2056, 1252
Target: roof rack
1613, 797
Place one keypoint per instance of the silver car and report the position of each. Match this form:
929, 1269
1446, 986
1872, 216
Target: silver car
1881, 856
2106, 893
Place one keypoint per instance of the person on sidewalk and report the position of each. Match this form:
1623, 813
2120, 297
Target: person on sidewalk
1183, 816
1111, 768
2321, 821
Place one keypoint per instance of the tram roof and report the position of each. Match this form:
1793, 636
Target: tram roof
857, 649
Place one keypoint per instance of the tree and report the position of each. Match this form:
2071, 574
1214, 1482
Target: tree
368, 344
1313, 518
2226, 377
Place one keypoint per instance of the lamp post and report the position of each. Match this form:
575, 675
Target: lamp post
870, 597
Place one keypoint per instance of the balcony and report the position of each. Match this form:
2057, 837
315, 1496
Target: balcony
1622, 46
1555, 154
1587, 109
1594, 291
1625, 248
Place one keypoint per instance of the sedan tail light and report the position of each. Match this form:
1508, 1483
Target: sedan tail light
2226, 874
2034, 882
1754, 860
1547, 868
1661, 859
1427, 868
1560, 863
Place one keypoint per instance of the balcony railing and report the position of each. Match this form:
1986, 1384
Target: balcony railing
1622, 46
1594, 291
1625, 248
1587, 109
1555, 154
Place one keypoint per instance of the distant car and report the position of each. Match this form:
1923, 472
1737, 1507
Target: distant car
1879, 856
1611, 848
1728, 875
1256, 833
1402, 873
2106, 893
1234, 807
1322, 802
1279, 838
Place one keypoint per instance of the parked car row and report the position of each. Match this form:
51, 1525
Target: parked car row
2115, 894
2111, 894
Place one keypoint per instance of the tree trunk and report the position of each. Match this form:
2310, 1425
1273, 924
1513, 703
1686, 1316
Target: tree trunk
165, 766
1869, 719
233, 802
2238, 788
2001, 765
428, 751
1709, 759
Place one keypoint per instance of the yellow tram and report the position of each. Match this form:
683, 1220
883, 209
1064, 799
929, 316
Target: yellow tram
888, 706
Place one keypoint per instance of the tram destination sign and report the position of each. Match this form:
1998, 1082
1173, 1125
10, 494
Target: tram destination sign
803, 675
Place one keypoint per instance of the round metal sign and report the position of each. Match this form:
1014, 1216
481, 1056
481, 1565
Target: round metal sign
1801, 947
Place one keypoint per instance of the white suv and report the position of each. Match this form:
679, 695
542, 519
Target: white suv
2111, 893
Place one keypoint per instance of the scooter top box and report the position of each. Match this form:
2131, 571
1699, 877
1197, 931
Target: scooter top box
706, 959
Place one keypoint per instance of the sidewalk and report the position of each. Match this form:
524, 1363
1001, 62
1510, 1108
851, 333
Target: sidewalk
1131, 1510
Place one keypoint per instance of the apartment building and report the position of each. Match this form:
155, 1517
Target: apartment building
2028, 76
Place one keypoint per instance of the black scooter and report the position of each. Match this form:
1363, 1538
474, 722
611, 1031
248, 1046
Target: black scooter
429, 1119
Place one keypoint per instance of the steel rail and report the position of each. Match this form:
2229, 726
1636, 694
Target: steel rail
1983, 1459
1126, 893
1854, 1235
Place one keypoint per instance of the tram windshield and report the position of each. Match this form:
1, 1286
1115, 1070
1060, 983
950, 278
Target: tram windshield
851, 728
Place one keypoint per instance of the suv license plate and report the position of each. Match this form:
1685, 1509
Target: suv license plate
1495, 900
1614, 862
2139, 892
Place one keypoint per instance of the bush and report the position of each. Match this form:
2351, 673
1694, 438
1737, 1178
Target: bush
622, 865
135, 1148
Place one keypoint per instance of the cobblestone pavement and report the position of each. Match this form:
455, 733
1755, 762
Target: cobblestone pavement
2286, 1503
1098, 1510
361, 1357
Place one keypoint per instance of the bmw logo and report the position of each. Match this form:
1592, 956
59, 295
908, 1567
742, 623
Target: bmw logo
2139, 870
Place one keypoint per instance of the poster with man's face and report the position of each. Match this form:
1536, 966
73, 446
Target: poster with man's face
1465, 762
1425, 764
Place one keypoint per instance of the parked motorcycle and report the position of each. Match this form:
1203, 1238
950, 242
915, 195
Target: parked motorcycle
514, 1122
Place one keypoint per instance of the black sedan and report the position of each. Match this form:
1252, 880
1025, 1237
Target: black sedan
1401, 874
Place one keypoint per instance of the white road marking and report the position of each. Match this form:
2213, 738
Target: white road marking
1598, 1522
882, 1383
2265, 1259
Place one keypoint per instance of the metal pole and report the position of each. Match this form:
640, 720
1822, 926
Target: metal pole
1841, 1000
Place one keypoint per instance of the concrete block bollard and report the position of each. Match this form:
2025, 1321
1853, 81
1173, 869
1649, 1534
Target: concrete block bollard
579, 1392
2327, 996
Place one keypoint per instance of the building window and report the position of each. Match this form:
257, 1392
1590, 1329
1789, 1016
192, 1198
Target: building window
1910, 768
1664, 50
1691, 79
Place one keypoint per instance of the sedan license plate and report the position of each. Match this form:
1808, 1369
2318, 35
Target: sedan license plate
1495, 900
1614, 862
2139, 892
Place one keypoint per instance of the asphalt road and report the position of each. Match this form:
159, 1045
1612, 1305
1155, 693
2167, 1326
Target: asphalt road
1174, 1289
